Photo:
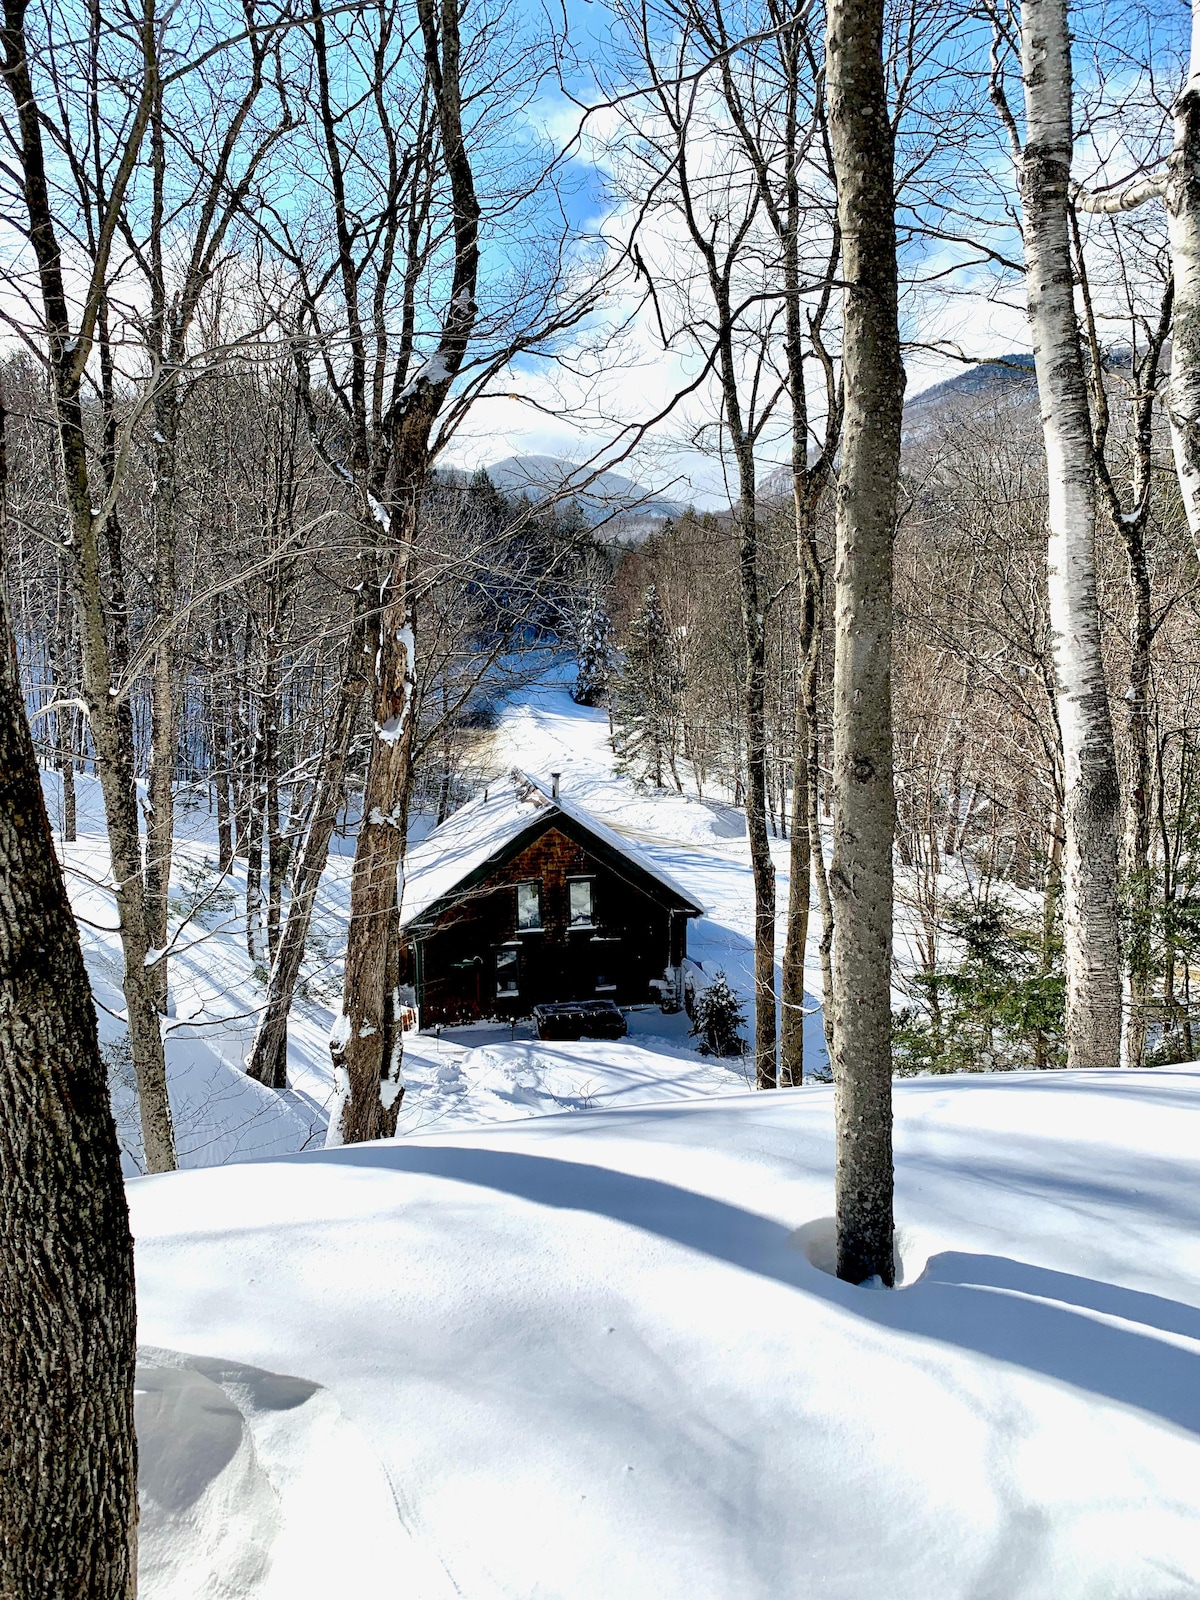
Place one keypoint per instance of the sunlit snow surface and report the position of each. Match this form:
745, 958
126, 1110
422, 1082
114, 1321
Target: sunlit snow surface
592, 1357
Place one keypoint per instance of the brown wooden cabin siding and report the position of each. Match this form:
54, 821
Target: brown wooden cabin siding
634, 939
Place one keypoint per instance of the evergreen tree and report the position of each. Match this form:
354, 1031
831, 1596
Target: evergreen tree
646, 704
594, 653
718, 1019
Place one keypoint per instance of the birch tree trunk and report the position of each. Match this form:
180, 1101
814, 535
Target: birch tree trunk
1091, 801
860, 878
68, 1456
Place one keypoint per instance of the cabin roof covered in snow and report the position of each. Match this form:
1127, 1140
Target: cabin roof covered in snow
488, 828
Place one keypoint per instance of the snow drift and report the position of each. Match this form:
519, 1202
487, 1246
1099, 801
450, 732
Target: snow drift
597, 1355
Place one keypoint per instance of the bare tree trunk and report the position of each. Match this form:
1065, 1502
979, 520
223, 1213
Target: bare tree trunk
108, 712
1129, 523
1183, 227
160, 816
804, 782
864, 802
221, 749
820, 874
255, 946
68, 1455
761, 864
791, 1033
1092, 952
366, 1044
65, 687
267, 1060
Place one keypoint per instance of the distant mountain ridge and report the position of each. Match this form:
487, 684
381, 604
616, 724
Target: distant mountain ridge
1009, 375
623, 512
614, 504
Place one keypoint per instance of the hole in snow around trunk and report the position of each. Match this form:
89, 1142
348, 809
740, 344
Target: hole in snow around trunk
911, 1249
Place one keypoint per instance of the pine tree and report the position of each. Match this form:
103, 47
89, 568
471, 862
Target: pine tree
595, 658
646, 703
718, 1019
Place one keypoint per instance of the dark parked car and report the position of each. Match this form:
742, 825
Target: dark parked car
580, 1019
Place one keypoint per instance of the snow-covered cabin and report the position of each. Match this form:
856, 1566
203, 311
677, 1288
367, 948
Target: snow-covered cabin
522, 898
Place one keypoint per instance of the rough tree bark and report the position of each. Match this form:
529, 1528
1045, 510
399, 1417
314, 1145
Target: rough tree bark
66, 718
1091, 802
864, 806
68, 1456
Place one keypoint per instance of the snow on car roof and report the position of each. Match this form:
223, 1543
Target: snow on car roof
486, 826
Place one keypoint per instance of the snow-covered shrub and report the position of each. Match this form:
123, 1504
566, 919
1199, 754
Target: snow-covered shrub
717, 1019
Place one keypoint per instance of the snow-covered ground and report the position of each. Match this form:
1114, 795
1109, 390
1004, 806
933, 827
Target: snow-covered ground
572, 1334
596, 1355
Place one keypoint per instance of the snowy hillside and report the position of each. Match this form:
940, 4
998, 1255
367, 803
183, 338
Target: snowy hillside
467, 1076
593, 1356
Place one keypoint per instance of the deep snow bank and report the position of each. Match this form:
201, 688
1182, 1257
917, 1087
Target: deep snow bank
594, 1357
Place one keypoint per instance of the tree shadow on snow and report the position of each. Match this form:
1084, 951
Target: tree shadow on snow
1115, 1342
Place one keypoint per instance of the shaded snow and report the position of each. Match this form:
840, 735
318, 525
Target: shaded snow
237, 1468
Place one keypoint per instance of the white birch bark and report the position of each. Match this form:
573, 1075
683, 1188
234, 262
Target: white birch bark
1093, 966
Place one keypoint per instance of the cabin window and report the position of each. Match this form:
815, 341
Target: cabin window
529, 905
508, 971
581, 902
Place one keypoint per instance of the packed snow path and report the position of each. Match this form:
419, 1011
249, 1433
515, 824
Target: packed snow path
596, 1355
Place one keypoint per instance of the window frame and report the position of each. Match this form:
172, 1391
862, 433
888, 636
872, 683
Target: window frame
510, 954
530, 927
590, 881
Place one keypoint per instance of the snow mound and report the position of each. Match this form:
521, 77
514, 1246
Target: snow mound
237, 1469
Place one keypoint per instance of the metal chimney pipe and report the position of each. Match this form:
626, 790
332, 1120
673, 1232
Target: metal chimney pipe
554, 777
